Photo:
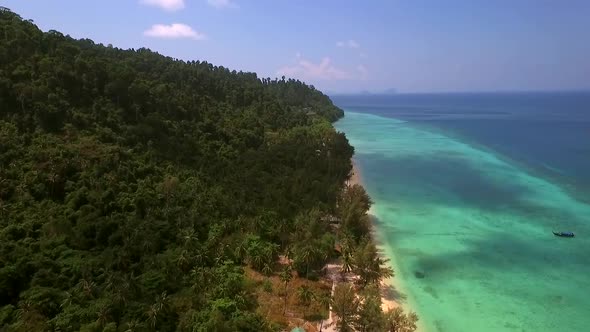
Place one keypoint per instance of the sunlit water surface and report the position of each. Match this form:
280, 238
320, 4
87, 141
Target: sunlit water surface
467, 189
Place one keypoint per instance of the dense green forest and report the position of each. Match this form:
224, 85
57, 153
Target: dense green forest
137, 190
134, 187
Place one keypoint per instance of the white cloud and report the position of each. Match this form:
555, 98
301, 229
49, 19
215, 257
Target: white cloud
306, 69
169, 5
348, 44
363, 72
220, 4
363, 55
174, 31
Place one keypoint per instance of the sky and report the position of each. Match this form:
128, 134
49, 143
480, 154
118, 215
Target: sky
343, 46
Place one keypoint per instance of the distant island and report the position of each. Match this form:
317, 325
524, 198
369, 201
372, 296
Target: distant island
390, 91
143, 193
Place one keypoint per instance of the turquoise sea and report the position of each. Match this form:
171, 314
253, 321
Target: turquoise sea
467, 189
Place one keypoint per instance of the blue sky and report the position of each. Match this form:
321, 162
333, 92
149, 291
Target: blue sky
347, 46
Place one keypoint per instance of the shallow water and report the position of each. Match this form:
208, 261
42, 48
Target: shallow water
470, 228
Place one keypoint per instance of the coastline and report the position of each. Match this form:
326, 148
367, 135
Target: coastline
388, 287
391, 289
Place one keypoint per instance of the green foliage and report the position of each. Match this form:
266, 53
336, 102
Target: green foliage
305, 295
369, 265
353, 205
359, 253
370, 316
362, 311
286, 276
398, 321
133, 186
260, 254
267, 285
312, 242
345, 305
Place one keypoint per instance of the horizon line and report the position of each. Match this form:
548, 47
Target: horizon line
381, 93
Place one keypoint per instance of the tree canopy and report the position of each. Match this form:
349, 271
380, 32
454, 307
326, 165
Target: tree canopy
134, 186
361, 311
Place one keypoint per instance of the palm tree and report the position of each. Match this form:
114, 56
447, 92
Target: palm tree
324, 301
111, 280
267, 270
24, 308
345, 306
87, 287
103, 315
241, 250
53, 177
68, 300
257, 259
120, 297
152, 315
305, 295
133, 326
346, 262
157, 309
183, 259
189, 236
398, 321
369, 265
286, 276
307, 255
289, 252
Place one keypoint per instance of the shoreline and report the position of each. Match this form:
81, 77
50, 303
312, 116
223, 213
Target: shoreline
391, 289
388, 286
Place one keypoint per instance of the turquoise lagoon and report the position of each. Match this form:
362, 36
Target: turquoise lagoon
466, 198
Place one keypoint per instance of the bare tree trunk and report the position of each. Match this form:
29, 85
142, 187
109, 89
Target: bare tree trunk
286, 297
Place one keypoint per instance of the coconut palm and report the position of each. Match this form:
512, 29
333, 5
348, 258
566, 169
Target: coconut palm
103, 315
286, 276
257, 259
345, 305
241, 250
398, 321
369, 265
347, 262
133, 326
305, 295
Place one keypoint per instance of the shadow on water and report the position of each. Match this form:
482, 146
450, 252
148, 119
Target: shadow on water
452, 175
390, 293
503, 252
453, 180
503, 265
492, 251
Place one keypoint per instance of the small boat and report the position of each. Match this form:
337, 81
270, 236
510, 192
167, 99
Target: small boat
564, 234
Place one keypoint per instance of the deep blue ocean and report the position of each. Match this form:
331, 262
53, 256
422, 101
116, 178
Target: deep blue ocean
548, 132
467, 190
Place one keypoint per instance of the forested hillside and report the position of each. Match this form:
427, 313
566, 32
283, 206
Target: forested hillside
135, 187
